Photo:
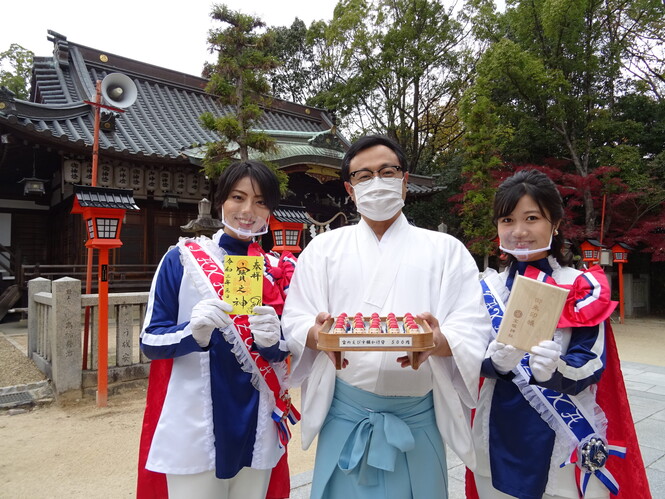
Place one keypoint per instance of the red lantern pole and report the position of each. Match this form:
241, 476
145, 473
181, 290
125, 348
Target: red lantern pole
93, 242
621, 301
103, 330
88, 270
602, 221
102, 287
95, 143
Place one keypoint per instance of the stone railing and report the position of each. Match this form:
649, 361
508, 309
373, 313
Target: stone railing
56, 311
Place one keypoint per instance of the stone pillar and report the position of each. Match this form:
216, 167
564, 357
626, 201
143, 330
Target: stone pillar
65, 330
123, 337
38, 285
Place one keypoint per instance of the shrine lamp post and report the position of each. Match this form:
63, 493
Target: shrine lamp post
103, 210
620, 252
120, 90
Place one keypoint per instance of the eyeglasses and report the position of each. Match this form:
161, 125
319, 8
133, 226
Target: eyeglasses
365, 174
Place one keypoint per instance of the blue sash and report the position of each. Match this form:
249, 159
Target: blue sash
562, 412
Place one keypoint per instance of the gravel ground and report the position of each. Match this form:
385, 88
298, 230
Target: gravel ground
15, 367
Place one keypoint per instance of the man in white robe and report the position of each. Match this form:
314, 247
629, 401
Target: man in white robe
383, 264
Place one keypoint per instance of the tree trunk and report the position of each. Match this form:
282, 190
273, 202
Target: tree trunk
582, 167
416, 124
242, 143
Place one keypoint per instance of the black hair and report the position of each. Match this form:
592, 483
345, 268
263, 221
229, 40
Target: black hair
259, 173
370, 141
544, 192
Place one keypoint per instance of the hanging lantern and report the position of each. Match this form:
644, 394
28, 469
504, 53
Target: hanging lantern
72, 171
86, 173
136, 178
179, 182
620, 252
105, 175
151, 176
121, 177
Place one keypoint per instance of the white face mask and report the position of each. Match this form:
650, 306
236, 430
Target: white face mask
524, 254
244, 233
380, 198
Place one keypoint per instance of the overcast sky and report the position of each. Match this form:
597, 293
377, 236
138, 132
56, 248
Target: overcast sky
167, 34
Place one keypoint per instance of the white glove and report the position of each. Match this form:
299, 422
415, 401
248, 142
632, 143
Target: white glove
504, 357
544, 360
208, 315
265, 326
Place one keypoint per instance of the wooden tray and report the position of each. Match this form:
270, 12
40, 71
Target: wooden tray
376, 342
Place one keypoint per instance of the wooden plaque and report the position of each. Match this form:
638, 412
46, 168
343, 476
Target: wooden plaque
532, 313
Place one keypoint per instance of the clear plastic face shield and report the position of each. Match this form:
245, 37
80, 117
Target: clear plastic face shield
247, 227
523, 254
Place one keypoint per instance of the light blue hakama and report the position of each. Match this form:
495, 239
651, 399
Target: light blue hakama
372, 446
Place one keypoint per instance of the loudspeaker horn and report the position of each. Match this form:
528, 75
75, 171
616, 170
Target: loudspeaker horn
119, 90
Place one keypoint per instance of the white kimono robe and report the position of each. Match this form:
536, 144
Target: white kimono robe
408, 270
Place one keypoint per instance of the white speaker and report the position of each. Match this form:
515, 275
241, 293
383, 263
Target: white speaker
119, 90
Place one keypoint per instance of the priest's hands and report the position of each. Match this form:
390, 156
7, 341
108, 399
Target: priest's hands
313, 337
441, 347
208, 315
265, 326
544, 360
504, 357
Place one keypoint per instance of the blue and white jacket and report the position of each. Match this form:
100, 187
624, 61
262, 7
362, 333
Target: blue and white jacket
514, 444
214, 415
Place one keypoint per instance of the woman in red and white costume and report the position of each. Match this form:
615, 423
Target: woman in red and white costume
208, 429
540, 412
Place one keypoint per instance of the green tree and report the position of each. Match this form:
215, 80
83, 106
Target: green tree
637, 208
296, 77
238, 79
17, 77
392, 66
553, 74
483, 142
640, 28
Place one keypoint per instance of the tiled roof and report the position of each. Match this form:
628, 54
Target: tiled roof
160, 125
293, 147
163, 124
416, 190
103, 197
287, 213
